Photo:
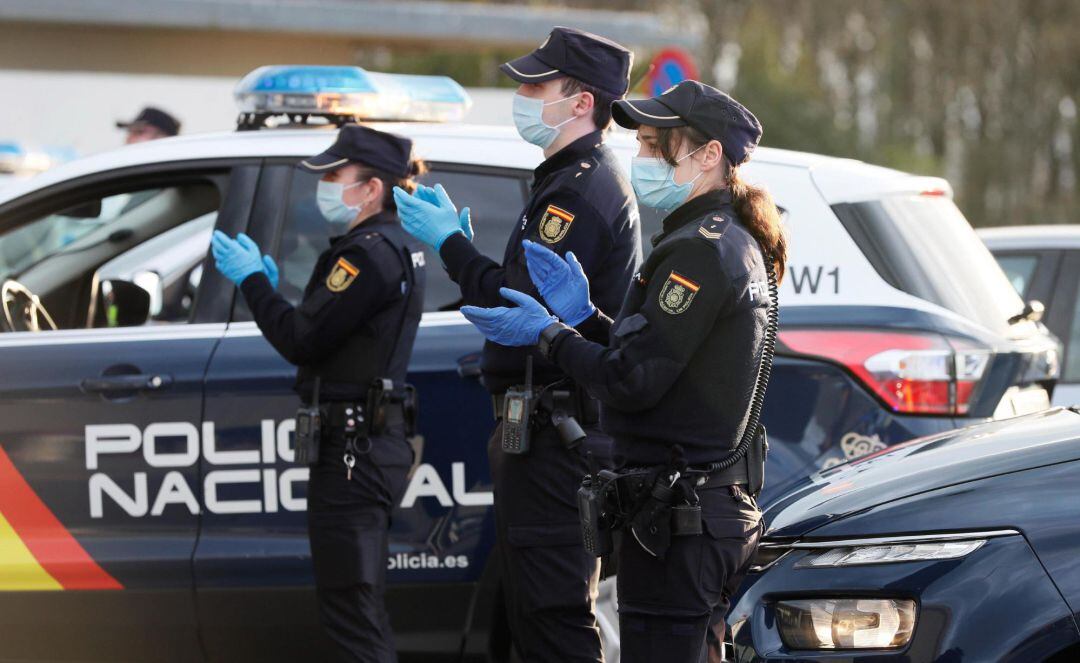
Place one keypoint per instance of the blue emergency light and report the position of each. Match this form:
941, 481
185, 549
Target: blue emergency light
346, 94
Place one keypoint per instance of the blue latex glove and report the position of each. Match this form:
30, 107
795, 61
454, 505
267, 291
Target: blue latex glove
271, 269
430, 195
562, 283
511, 326
429, 222
236, 258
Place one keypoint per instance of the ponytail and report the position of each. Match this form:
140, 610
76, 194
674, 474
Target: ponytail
760, 216
417, 167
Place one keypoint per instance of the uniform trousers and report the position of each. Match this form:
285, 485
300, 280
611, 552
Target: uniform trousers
549, 581
348, 521
666, 606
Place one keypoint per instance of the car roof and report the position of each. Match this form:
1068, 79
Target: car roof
838, 179
1032, 237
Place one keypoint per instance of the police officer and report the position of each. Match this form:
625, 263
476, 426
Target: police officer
680, 377
150, 124
580, 206
353, 330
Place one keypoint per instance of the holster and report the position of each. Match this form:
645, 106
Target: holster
387, 406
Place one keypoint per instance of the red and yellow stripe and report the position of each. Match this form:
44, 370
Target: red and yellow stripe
683, 281
561, 213
36, 551
348, 267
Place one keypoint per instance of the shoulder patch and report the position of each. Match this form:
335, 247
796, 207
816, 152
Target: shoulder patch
555, 224
677, 293
341, 276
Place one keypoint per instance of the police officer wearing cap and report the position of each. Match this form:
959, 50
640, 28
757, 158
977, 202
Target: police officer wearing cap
350, 338
150, 124
679, 380
581, 207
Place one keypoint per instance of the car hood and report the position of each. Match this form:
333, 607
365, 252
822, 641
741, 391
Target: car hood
925, 464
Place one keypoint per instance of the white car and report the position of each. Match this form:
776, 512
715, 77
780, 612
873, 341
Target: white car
896, 322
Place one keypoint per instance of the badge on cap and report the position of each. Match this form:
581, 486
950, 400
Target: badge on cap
555, 224
341, 276
677, 293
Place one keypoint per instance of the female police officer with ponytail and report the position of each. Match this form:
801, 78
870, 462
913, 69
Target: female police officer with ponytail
350, 338
682, 380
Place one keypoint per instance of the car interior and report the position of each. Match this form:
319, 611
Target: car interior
126, 258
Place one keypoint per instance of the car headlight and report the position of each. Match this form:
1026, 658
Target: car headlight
845, 623
888, 553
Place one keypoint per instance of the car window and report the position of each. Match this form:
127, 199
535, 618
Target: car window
495, 200
1019, 269
153, 238
923, 245
52, 233
1071, 370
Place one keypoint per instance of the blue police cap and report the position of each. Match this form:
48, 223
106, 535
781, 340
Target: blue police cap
589, 58
700, 106
356, 143
154, 117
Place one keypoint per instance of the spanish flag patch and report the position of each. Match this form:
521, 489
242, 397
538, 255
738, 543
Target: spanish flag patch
341, 276
677, 293
555, 224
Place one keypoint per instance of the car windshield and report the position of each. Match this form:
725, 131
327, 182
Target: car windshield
923, 245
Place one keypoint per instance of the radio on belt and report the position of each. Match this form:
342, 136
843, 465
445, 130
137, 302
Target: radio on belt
517, 412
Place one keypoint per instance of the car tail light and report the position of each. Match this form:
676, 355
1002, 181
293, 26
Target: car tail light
914, 373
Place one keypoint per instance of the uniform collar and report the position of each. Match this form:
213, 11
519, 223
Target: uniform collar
383, 217
576, 150
693, 210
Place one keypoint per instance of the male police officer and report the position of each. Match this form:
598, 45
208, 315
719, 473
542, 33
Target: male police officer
351, 337
150, 124
581, 205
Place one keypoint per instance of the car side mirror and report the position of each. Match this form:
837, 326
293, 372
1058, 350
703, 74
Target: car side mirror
121, 304
1033, 311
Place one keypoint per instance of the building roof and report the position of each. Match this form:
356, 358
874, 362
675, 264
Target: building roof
459, 22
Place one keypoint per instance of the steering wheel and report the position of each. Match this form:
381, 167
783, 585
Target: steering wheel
23, 310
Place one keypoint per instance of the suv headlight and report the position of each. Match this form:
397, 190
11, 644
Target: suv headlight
888, 553
845, 623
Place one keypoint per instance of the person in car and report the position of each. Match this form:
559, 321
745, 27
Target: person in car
580, 203
679, 378
353, 329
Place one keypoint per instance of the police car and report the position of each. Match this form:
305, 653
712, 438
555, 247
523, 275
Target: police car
150, 505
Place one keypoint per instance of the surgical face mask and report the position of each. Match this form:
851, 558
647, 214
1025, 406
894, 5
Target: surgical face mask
653, 180
329, 197
529, 120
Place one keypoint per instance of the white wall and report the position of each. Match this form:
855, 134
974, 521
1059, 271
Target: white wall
78, 110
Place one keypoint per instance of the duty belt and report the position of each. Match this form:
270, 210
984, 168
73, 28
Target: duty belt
337, 414
574, 400
736, 474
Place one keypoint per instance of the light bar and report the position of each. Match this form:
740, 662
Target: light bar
351, 92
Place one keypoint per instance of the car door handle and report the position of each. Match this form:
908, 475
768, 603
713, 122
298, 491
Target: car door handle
114, 383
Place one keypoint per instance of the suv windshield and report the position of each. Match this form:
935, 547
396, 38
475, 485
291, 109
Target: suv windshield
923, 245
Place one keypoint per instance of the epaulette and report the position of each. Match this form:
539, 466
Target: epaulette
583, 169
712, 227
